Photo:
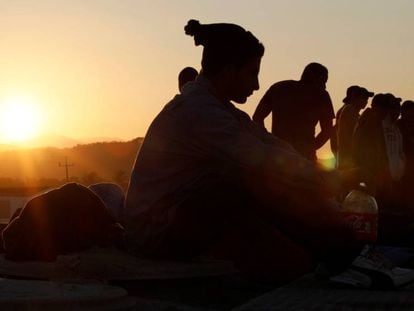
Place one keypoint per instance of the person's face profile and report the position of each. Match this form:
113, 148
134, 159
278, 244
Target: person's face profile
322, 81
362, 101
245, 80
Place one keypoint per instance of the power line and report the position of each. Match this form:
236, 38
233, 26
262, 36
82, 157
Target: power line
66, 165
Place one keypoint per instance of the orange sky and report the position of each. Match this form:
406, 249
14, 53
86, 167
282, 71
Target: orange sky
105, 68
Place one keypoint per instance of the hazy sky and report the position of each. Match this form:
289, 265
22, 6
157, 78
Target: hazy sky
105, 68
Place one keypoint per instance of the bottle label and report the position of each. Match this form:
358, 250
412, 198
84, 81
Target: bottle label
363, 225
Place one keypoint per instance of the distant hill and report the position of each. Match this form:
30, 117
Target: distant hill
52, 140
87, 163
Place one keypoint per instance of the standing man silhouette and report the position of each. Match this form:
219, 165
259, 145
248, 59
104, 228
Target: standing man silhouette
297, 107
346, 120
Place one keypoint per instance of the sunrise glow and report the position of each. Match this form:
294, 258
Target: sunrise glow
20, 119
102, 70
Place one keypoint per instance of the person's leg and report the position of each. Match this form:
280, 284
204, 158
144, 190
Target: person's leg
309, 220
279, 236
229, 223
260, 251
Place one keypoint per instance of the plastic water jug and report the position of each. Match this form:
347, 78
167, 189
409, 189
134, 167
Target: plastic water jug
361, 213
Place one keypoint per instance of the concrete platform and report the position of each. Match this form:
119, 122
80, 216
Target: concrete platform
46, 295
112, 265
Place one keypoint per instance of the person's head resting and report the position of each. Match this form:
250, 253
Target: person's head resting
357, 96
315, 74
186, 75
231, 58
386, 106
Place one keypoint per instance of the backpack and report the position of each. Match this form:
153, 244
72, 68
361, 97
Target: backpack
64, 220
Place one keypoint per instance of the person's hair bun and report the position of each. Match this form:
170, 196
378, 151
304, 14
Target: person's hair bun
193, 28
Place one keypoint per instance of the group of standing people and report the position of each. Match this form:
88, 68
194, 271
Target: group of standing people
379, 141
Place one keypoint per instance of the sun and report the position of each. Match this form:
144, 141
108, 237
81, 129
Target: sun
20, 119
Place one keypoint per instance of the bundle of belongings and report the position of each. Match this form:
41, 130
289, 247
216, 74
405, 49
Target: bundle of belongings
68, 219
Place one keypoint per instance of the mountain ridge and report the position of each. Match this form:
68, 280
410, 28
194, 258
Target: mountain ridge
87, 163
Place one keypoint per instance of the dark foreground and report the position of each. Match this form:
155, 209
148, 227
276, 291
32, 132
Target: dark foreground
228, 292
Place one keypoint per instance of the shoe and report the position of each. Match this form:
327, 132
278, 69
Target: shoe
352, 278
380, 269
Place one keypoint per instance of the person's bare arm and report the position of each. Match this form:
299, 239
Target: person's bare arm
324, 134
264, 108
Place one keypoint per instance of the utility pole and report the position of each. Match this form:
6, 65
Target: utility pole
66, 165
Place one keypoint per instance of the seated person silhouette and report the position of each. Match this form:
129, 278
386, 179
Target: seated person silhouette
297, 107
208, 181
